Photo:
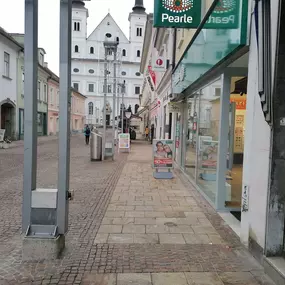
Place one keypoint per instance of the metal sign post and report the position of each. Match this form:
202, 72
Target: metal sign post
45, 211
104, 105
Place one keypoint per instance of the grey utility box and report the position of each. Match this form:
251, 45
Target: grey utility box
96, 146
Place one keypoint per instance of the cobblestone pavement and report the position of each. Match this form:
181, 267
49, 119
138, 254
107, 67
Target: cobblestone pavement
125, 227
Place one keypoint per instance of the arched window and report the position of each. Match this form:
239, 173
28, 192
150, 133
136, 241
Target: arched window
76, 26
76, 49
92, 50
139, 32
138, 53
90, 108
124, 52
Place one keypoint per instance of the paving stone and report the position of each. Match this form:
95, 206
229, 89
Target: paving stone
134, 279
171, 239
169, 279
121, 238
178, 214
145, 221
99, 279
243, 278
156, 229
197, 238
110, 229
123, 221
205, 278
134, 214
101, 238
134, 229
146, 238
114, 214
204, 230
154, 214
181, 229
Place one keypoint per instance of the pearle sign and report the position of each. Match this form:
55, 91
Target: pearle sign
177, 13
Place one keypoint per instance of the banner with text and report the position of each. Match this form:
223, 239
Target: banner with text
163, 151
177, 13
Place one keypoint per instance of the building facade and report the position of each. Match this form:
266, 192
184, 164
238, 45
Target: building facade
225, 143
44, 74
53, 105
88, 60
10, 53
77, 111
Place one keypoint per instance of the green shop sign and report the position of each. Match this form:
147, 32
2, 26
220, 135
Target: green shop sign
177, 13
225, 15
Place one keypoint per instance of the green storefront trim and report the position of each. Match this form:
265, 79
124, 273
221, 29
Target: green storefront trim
212, 44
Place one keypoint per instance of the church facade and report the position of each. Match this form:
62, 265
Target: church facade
88, 61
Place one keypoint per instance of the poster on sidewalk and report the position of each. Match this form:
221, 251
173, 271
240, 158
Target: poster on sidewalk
124, 141
209, 154
2, 134
163, 151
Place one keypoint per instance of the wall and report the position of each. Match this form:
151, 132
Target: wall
8, 86
257, 147
53, 107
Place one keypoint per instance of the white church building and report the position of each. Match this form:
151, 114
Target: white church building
88, 54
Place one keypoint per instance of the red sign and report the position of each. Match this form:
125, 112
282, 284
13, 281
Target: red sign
159, 61
152, 74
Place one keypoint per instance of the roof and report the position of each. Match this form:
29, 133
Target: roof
10, 38
108, 15
77, 92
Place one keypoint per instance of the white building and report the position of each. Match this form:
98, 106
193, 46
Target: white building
88, 60
9, 54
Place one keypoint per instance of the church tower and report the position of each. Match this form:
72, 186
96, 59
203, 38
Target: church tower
79, 27
137, 20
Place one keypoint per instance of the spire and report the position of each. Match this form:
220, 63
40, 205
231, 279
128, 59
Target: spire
139, 7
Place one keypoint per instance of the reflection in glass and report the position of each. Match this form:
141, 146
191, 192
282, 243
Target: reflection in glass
208, 139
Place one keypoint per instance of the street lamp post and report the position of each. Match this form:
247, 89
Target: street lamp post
128, 116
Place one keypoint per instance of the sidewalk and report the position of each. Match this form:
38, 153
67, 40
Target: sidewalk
125, 227
162, 232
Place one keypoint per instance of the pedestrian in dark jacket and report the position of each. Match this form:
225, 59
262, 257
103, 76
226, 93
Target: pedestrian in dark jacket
87, 133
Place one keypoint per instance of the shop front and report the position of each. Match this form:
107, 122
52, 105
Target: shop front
210, 82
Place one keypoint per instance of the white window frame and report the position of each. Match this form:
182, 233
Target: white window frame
39, 90
45, 93
88, 89
6, 64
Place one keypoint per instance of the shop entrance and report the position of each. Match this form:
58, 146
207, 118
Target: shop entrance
237, 120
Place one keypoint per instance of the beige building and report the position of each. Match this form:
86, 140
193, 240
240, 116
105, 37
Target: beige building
77, 119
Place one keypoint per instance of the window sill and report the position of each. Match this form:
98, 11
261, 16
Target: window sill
6, 77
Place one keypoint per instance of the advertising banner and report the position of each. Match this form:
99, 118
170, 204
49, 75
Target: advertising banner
124, 141
225, 15
209, 154
163, 151
177, 13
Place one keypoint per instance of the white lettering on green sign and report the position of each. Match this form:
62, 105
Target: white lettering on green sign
176, 19
221, 20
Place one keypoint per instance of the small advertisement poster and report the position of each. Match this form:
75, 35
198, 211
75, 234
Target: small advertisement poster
2, 134
209, 154
124, 141
163, 151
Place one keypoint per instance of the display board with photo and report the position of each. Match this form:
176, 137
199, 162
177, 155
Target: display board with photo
163, 152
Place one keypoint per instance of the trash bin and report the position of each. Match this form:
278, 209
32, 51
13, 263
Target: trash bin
96, 146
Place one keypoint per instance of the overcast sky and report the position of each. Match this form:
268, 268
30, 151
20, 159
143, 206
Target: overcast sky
12, 20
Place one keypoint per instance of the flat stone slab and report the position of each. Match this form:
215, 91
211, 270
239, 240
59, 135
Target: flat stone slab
134, 279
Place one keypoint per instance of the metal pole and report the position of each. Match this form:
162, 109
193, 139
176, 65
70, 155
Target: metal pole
118, 113
104, 105
114, 98
64, 118
31, 82
123, 109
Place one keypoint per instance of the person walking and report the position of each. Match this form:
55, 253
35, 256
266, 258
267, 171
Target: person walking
152, 132
146, 132
87, 132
